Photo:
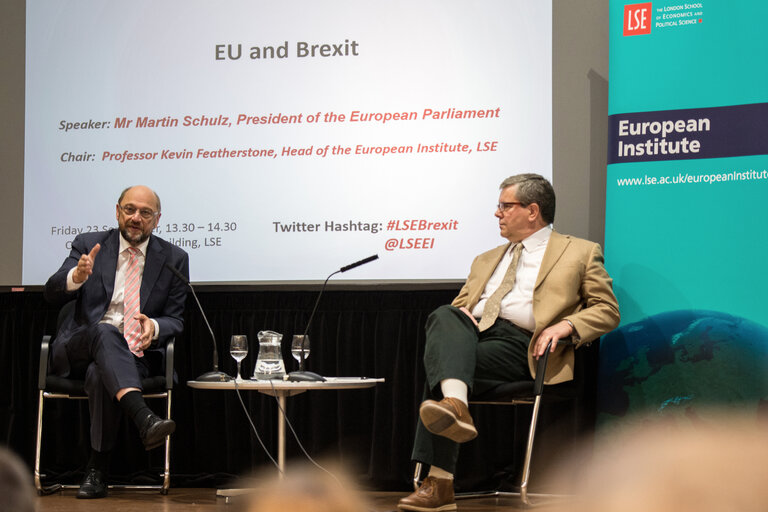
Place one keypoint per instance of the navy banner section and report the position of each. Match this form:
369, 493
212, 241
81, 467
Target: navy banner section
739, 130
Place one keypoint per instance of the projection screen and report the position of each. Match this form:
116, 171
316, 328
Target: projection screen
286, 139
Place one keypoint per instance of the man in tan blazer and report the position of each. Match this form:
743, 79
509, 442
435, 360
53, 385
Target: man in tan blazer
539, 287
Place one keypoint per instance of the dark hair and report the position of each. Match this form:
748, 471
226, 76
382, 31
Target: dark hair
16, 490
534, 188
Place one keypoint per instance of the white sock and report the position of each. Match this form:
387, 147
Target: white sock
454, 388
439, 473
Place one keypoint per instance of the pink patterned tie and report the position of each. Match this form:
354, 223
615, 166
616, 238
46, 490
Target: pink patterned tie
131, 299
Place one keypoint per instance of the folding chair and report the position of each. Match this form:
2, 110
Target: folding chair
54, 387
517, 393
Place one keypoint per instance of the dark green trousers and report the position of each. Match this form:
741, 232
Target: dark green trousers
455, 349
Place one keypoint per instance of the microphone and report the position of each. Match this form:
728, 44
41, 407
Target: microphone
215, 375
358, 263
303, 375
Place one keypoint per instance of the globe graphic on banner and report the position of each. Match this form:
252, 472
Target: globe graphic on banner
682, 364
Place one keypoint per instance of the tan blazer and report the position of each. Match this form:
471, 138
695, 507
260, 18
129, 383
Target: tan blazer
572, 285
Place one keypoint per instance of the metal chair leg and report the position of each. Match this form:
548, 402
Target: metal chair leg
38, 484
529, 452
167, 467
524, 495
417, 476
166, 475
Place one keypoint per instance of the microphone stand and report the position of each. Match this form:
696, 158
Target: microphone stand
302, 374
215, 375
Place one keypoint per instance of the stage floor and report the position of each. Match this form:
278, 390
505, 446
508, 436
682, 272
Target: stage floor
205, 500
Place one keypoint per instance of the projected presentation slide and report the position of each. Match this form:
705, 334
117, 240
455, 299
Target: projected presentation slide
285, 139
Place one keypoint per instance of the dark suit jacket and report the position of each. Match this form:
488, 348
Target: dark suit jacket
162, 294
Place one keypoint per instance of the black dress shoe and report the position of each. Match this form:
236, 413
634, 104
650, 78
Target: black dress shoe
93, 486
154, 430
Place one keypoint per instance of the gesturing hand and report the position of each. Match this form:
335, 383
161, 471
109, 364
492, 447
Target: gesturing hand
85, 265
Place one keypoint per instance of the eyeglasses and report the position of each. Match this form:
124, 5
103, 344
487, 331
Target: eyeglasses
145, 213
503, 207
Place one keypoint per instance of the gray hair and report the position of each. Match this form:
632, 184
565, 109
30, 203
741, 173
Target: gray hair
534, 188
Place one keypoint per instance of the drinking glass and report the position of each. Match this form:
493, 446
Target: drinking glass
238, 347
296, 348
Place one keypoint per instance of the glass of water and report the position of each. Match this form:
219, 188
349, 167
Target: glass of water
238, 347
298, 343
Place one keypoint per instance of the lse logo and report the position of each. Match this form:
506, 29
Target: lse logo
637, 19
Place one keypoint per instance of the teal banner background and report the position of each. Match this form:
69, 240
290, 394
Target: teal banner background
686, 240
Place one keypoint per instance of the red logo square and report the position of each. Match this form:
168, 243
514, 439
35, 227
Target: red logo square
637, 19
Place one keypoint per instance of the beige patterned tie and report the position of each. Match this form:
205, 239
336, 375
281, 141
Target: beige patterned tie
493, 305
131, 300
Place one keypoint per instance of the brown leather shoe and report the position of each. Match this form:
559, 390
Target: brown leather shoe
435, 494
448, 418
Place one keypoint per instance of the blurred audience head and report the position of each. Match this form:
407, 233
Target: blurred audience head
715, 464
306, 489
17, 493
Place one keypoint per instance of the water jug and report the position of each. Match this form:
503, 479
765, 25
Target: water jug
269, 364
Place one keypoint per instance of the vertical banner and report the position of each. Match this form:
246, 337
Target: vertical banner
686, 210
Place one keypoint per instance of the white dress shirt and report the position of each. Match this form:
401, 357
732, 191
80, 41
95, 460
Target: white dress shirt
114, 313
517, 305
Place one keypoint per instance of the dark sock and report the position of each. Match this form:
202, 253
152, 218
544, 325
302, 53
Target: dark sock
135, 407
99, 460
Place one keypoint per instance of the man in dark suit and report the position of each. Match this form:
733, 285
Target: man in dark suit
127, 306
539, 287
